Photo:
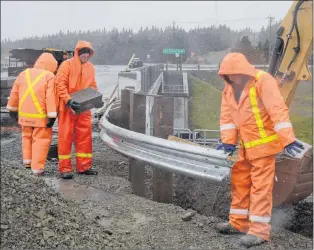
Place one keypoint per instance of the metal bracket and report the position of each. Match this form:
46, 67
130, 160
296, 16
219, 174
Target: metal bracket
289, 77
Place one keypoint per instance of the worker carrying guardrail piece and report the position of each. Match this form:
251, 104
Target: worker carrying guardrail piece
75, 74
253, 109
33, 102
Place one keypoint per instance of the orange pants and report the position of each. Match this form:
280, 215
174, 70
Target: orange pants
77, 127
35, 147
251, 190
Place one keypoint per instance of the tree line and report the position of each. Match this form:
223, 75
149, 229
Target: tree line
116, 47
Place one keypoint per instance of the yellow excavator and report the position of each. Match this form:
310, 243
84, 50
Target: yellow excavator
289, 66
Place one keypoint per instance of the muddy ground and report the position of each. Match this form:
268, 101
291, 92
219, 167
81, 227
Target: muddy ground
91, 212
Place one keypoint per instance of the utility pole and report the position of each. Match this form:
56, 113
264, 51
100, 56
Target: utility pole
173, 32
270, 18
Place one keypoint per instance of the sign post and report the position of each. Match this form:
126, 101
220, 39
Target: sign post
177, 52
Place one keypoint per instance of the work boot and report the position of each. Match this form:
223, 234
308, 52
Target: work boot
38, 172
250, 240
66, 175
89, 171
227, 228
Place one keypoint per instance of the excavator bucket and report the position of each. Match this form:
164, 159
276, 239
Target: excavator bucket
294, 177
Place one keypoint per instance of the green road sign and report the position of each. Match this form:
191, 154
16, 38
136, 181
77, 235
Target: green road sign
174, 51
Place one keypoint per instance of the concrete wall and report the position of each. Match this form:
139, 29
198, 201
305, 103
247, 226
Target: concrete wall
180, 118
173, 78
149, 75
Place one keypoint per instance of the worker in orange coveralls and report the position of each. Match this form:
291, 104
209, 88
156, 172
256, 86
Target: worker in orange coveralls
33, 103
73, 75
253, 109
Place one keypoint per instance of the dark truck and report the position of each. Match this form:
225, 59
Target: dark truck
21, 59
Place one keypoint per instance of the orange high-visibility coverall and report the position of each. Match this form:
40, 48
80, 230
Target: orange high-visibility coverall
261, 121
33, 96
73, 76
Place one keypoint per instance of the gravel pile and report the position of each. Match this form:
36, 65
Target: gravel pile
33, 216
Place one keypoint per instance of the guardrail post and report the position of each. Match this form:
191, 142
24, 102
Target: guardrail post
125, 108
163, 126
137, 124
125, 117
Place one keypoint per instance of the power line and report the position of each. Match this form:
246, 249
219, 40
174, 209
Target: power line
224, 21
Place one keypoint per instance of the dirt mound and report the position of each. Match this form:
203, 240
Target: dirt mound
214, 200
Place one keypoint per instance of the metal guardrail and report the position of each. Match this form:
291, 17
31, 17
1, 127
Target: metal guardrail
198, 162
200, 136
174, 89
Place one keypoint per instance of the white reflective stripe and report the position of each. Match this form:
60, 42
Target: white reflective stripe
12, 108
52, 114
239, 211
228, 126
256, 218
27, 161
37, 171
282, 125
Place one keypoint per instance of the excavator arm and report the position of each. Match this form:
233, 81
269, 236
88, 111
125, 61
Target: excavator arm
289, 66
289, 62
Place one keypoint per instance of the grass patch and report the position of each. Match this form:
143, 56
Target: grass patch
303, 127
205, 105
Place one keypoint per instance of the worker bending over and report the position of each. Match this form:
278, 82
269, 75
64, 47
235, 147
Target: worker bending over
254, 111
33, 103
73, 75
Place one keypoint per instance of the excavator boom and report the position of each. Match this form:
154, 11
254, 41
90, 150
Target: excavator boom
289, 62
289, 66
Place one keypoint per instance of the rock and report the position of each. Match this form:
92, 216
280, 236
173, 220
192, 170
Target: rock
15, 177
188, 216
4, 227
41, 214
108, 231
48, 233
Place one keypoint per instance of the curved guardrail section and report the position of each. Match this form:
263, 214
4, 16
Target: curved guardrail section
197, 162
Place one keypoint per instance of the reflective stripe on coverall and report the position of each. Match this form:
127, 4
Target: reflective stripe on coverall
73, 76
261, 118
33, 96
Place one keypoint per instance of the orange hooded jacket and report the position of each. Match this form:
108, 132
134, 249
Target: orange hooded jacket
261, 117
73, 76
34, 95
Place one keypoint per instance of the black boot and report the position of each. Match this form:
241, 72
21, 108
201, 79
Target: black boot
89, 171
66, 176
227, 228
250, 240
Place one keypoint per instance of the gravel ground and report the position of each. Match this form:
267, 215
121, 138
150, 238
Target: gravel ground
101, 211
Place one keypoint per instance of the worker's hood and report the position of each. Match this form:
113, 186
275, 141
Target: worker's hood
236, 63
83, 44
46, 61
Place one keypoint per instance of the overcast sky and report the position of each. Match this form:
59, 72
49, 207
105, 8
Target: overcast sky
27, 18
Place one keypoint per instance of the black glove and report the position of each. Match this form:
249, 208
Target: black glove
14, 116
99, 105
74, 105
51, 122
